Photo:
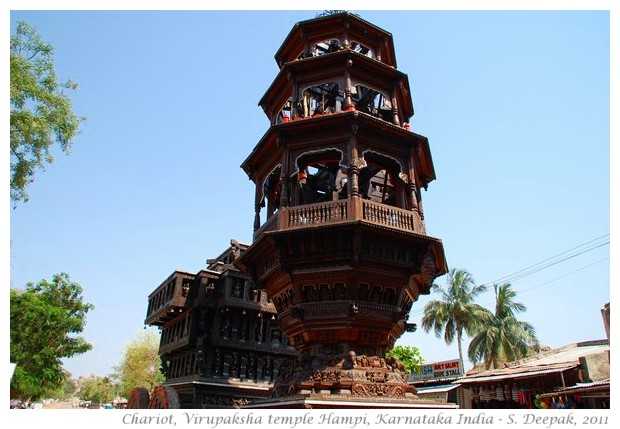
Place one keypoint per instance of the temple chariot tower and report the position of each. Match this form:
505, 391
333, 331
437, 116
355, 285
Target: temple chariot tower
339, 241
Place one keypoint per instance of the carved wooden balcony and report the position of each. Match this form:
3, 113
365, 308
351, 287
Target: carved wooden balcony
168, 300
343, 211
178, 334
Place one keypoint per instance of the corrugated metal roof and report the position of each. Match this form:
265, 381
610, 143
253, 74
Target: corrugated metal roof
516, 372
553, 361
581, 388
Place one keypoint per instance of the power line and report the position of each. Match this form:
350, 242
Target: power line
549, 262
565, 275
533, 271
557, 278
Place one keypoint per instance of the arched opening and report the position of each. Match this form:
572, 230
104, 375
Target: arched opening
286, 113
321, 48
380, 181
372, 101
271, 192
362, 49
320, 99
319, 178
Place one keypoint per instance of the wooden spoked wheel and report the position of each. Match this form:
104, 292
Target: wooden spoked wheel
164, 397
138, 398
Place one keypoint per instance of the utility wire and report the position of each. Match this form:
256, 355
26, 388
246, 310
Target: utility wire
565, 275
550, 262
509, 279
557, 278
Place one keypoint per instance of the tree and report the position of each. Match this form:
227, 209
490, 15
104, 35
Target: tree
499, 336
63, 392
455, 313
97, 389
410, 357
43, 319
141, 364
41, 112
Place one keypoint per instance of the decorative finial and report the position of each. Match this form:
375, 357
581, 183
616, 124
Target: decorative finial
329, 12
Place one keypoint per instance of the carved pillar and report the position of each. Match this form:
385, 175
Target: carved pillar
258, 329
284, 180
348, 103
295, 97
234, 366
413, 197
243, 329
226, 365
243, 366
251, 367
354, 172
267, 369
258, 192
354, 167
395, 116
256, 216
260, 369
276, 368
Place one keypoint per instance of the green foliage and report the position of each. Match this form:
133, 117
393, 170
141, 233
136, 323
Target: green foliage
455, 312
410, 357
43, 319
98, 390
141, 364
63, 392
41, 112
499, 336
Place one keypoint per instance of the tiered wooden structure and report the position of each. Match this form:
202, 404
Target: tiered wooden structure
341, 246
220, 344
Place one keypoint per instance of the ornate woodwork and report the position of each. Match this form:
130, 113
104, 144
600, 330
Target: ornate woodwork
341, 247
340, 251
220, 344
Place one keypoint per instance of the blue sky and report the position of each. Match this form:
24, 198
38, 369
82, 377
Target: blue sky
516, 106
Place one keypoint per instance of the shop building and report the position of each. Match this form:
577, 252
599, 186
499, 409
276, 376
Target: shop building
573, 376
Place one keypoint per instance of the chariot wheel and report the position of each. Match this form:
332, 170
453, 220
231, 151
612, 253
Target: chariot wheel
164, 397
138, 398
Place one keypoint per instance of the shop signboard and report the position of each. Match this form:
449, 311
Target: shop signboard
438, 370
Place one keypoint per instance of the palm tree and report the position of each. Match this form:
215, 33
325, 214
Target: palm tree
499, 336
455, 312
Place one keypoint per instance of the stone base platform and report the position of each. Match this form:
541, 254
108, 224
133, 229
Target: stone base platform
336, 401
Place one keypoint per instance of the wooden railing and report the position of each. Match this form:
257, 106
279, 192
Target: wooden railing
318, 214
381, 214
268, 225
350, 210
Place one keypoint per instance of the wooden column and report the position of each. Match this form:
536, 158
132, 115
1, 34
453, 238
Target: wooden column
348, 103
395, 116
257, 198
354, 171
